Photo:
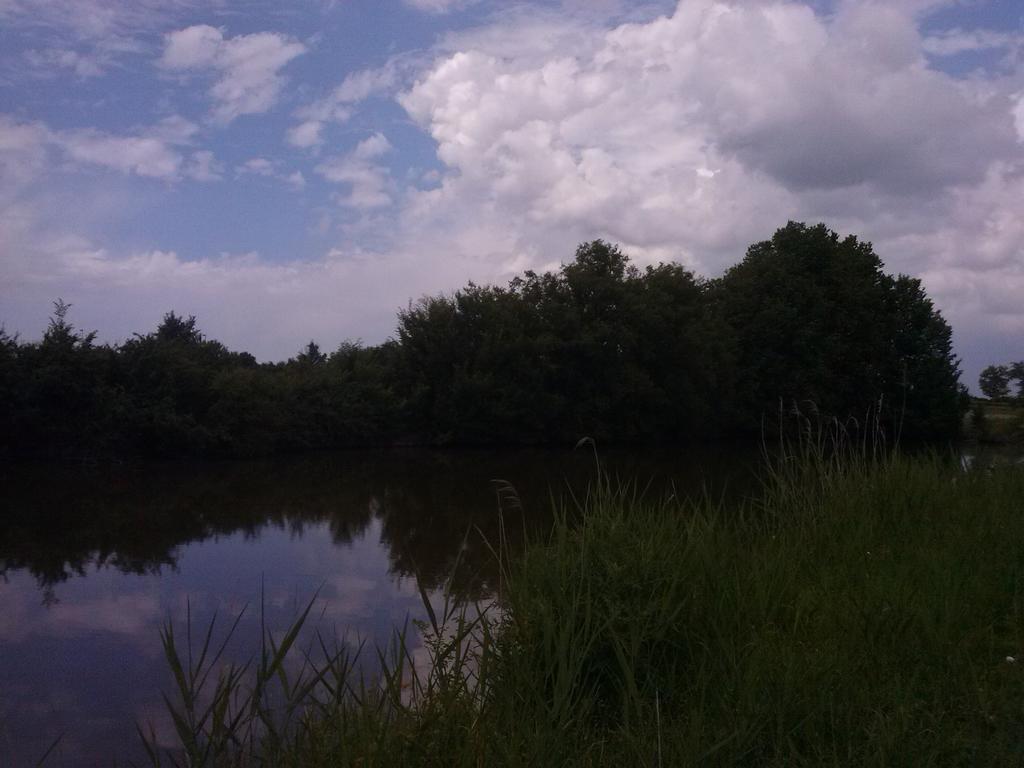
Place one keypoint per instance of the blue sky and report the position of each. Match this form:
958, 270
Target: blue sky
287, 171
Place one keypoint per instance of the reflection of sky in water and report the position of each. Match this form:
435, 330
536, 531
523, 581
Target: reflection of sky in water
90, 665
80, 654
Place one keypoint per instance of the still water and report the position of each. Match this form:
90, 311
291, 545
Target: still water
95, 560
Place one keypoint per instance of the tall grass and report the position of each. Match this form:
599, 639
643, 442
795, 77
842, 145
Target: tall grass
864, 609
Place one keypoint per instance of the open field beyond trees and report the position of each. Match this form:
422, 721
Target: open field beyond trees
995, 421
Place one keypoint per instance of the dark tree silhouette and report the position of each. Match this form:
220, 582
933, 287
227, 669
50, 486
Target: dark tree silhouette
994, 382
817, 323
598, 347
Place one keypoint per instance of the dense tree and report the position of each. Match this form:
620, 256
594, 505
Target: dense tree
819, 325
66, 394
1017, 374
994, 382
311, 355
169, 377
10, 385
598, 347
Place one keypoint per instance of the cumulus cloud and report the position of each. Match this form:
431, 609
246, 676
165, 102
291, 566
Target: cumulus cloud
338, 105
160, 151
245, 300
195, 46
695, 133
93, 19
683, 136
271, 169
954, 41
1018, 116
87, 37
305, 135
248, 67
154, 152
142, 155
367, 180
22, 152
202, 166
439, 6
259, 166
54, 60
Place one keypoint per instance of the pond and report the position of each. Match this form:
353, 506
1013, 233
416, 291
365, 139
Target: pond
96, 559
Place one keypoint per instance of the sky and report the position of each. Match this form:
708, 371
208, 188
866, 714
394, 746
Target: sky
288, 171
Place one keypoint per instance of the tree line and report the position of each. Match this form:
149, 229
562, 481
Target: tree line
995, 381
599, 348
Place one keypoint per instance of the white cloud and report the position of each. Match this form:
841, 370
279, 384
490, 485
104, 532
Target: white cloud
88, 37
22, 153
338, 105
192, 47
259, 166
686, 136
305, 135
694, 134
368, 181
364, 83
174, 130
248, 67
244, 300
202, 166
143, 156
93, 19
271, 169
954, 41
439, 6
52, 60
373, 147
155, 151
779, 99
1018, 116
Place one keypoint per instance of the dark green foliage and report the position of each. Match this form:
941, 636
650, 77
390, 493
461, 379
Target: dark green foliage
63, 392
9, 382
1017, 373
169, 378
598, 348
817, 323
865, 610
994, 381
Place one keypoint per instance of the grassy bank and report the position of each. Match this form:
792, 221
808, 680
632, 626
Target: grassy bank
859, 612
995, 421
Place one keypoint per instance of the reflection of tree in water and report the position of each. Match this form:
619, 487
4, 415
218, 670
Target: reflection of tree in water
428, 533
435, 509
61, 523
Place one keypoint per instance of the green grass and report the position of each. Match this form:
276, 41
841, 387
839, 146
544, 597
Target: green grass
861, 611
995, 421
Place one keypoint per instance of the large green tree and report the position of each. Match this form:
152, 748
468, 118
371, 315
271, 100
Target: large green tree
598, 348
66, 397
820, 326
994, 382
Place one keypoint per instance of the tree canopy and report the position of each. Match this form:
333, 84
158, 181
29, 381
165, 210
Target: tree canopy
817, 322
599, 347
995, 381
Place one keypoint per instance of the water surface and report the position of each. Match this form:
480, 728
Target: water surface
95, 559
